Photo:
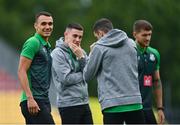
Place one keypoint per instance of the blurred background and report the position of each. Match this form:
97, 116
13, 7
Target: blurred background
16, 25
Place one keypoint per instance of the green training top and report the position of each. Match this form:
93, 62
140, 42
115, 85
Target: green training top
39, 73
124, 108
148, 63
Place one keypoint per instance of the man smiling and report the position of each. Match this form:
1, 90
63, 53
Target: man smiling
35, 71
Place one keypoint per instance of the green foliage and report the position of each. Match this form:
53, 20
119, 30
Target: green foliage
17, 20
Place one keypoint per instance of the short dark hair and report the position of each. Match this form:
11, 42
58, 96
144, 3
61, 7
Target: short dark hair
45, 13
142, 25
75, 26
103, 24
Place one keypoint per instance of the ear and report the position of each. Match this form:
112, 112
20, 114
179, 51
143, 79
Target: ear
66, 36
134, 34
101, 33
35, 25
65, 33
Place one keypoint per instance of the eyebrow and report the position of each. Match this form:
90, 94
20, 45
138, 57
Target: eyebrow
76, 35
49, 23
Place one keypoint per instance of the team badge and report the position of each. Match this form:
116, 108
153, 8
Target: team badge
152, 57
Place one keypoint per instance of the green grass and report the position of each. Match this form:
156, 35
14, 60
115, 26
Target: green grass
96, 111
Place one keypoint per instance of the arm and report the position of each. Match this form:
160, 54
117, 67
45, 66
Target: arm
24, 65
63, 70
93, 65
158, 96
82, 62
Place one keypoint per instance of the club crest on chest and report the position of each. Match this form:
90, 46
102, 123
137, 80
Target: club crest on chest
152, 57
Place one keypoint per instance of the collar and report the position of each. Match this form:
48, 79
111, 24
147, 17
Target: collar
72, 55
141, 49
39, 37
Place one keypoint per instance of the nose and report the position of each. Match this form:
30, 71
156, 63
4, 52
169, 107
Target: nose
77, 39
47, 26
148, 37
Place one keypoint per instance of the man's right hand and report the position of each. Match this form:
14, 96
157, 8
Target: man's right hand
77, 50
32, 105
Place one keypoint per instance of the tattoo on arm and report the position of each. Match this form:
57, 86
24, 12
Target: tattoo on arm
157, 83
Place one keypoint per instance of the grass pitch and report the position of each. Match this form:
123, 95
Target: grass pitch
10, 112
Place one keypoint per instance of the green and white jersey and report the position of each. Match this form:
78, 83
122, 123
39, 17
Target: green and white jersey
39, 73
149, 62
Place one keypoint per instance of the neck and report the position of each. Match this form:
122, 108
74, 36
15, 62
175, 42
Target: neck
139, 44
46, 39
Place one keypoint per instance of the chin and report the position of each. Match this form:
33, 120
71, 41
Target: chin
47, 35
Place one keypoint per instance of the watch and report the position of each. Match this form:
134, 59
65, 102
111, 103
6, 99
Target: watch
82, 57
160, 108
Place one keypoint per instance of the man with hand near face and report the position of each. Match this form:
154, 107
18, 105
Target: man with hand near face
68, 63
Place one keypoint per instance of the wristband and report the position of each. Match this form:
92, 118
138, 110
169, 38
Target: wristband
160, 108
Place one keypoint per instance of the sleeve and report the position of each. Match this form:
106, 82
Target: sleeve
93, 65
83, 61
63, 71
158, 59
30, 48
